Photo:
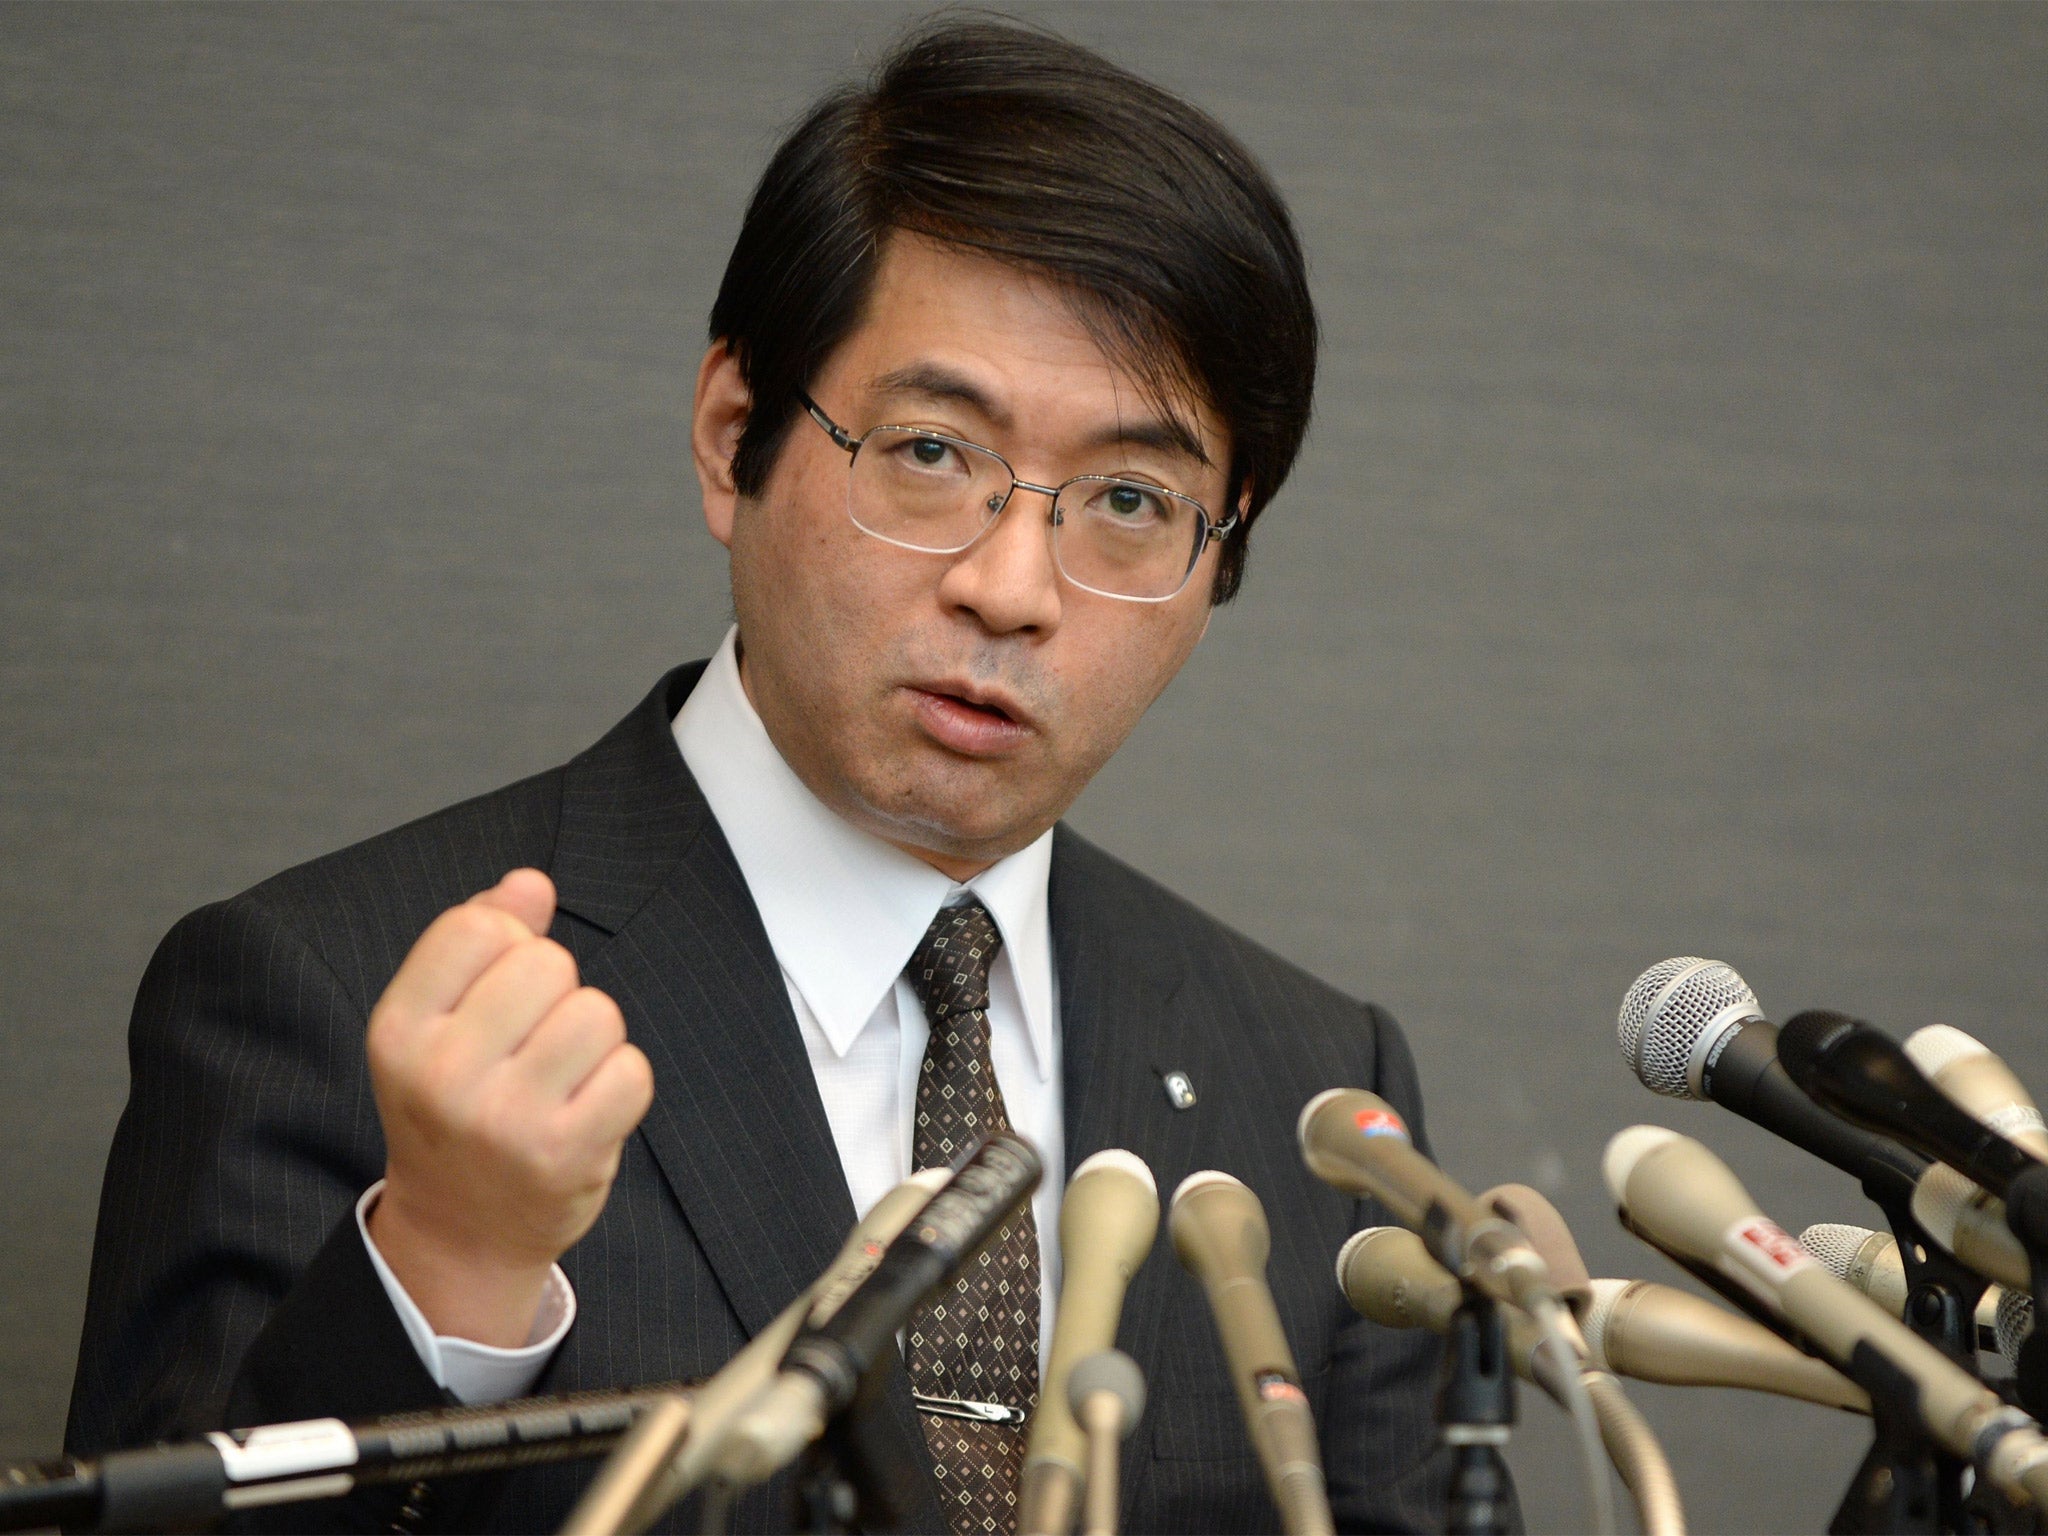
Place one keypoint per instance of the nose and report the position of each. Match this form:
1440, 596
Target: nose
1007, 578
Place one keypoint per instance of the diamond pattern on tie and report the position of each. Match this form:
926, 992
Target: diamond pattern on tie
977, 1341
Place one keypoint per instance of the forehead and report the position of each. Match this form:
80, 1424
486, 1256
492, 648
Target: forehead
1019, 339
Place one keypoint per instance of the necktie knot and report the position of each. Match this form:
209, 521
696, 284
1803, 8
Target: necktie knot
949, 968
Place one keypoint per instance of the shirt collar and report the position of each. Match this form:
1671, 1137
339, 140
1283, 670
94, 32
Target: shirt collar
843, 909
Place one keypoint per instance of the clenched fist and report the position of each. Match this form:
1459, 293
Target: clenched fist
507, 1091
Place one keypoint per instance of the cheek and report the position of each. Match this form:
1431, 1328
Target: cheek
1125, 674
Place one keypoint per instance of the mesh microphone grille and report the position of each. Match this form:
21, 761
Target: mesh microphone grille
1835, 1245
1665, 1011
1593, 1321
2015, 1322
1939, 1045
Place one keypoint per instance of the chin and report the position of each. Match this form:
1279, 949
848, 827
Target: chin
954, 827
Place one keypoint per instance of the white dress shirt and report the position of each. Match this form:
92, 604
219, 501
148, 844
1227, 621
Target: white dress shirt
844, 911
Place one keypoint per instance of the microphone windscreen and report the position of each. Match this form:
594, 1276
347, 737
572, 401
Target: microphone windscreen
1626, 1148
1539, 1221
1665, 1012
1937, 1046
2015, 1322
1114, 1372
1866, 1258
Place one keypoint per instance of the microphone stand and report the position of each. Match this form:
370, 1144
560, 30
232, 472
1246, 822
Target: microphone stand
849, 1479
1941, 1292
1474, 1412
1906, 1482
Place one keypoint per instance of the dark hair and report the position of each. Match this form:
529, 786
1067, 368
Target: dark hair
1003, 139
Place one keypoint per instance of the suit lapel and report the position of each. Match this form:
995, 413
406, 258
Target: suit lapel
737, 1128
1120, 1034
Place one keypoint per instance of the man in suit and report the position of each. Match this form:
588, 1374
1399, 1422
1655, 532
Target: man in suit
579, 1083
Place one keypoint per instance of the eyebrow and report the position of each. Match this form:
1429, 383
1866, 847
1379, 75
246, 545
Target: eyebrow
1169, 433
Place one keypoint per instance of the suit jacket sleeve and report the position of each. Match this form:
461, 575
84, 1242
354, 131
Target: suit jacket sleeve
229, 1284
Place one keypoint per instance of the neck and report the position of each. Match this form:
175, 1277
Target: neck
959, 871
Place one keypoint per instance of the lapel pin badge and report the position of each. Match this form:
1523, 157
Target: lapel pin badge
1180, 1088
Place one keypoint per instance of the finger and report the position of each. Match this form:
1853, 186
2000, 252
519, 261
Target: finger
513, 994
456, 949
614, 1097
562, 1049
527, 894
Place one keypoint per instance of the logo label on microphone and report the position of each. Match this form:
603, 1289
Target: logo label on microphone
1380, 1122
1762, 1256
1274, 1387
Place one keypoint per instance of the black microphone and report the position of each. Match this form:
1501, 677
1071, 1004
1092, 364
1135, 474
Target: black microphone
1692, 1029
192, 1484
822, 1372
1862, 1074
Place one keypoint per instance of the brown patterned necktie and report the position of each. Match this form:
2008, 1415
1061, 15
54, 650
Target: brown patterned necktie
973, 1352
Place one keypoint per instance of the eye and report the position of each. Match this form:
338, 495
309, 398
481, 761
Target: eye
929, 452
1128, 504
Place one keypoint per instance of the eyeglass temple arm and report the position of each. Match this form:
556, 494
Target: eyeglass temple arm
833, 430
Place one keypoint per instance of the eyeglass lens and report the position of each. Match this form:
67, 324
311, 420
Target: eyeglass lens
1120, 537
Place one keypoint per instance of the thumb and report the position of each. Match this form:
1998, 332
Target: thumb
527, 894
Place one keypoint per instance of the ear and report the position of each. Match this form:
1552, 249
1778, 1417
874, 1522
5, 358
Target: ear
716, 422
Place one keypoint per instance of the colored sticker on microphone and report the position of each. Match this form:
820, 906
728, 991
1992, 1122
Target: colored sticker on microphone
1762, 1256
1273, 1387
1381, 1122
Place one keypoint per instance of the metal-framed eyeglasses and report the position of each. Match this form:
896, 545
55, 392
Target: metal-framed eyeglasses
937, 494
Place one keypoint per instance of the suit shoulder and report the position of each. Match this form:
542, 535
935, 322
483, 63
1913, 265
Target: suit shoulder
1211, 949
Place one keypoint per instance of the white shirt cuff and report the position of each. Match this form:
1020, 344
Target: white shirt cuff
475, 1373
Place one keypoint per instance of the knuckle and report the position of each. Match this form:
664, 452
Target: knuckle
381, 1041
553, 966
466, 924
600, 1016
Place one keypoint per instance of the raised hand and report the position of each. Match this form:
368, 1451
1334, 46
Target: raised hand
507, 1091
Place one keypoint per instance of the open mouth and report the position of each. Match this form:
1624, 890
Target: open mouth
976, 727
991, 711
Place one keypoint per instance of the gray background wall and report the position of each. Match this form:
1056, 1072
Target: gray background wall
1664, 573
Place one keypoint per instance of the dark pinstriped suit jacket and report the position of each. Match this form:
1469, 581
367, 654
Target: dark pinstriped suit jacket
228, 1284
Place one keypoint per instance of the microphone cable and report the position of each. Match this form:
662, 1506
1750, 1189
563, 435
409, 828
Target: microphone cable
1556, 1358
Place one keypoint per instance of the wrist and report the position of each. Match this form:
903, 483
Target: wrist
465, 1289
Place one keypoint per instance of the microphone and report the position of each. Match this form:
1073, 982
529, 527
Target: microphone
1108, 1219
1357, 1142
1220, 1235
1863, 1075
1970, 1223
1630, 1327
641, 1482
1866, 1258
1388, 1276
1106, 1396
1686, 1200
2015, 1322
1692, 1029
1658, 1333
823, 1369
1655, 1333
1870, 1261
1979, 1083
191, 1485
1544, 1226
